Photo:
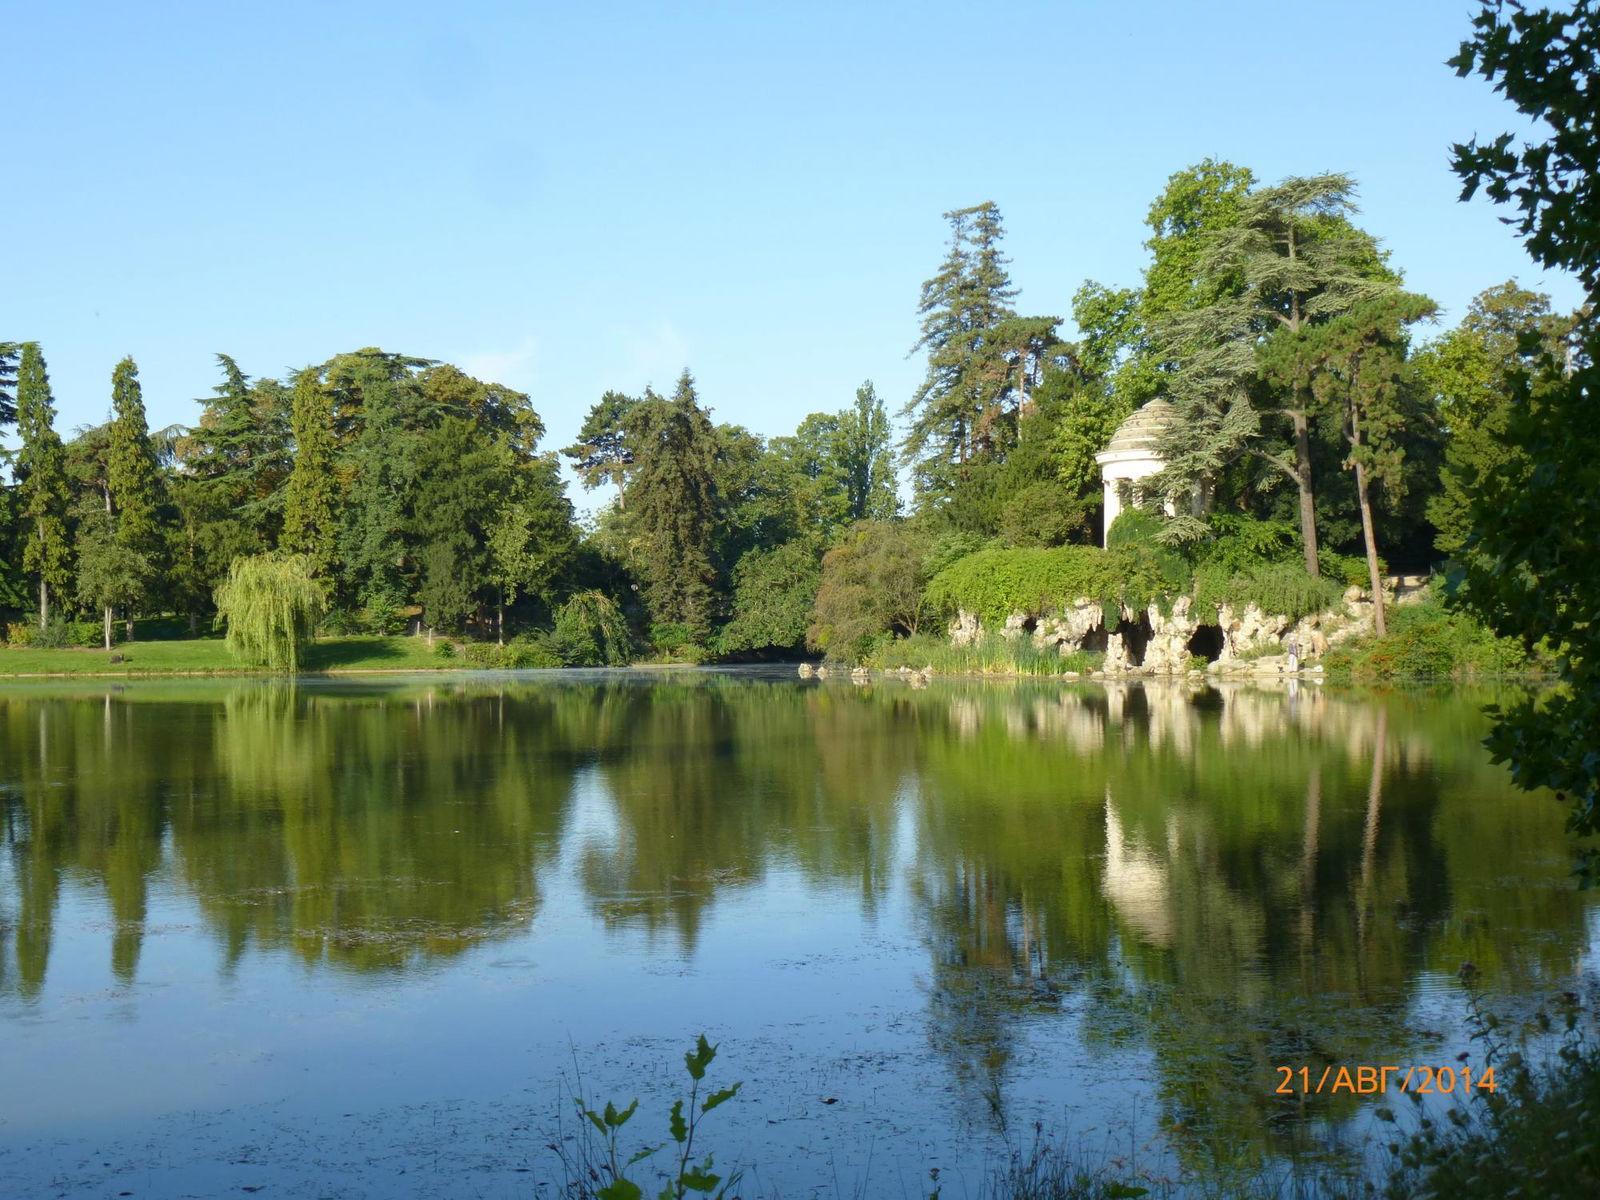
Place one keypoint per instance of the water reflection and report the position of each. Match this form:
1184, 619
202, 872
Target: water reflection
1229, 879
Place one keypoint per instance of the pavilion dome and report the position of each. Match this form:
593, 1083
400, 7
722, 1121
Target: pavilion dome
1143, 428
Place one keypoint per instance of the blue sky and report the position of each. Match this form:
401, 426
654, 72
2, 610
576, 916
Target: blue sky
568, 197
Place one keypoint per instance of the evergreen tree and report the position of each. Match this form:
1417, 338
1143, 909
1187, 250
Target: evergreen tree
951, 413
1301, 263
9, 352
378, 403
310, 521
602, 454
461, 479
41, 475
133, 480
673, 507
241, 451
1357, 365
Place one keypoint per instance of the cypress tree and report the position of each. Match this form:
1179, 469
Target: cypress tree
8, 381
41, 474
309, 524
673, 506
132, 475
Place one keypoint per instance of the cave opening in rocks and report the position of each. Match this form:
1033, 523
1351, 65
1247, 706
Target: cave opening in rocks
1094, 642
1135, 637
1207, 642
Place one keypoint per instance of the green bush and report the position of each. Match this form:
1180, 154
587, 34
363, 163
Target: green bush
1428, 640
1350, 570
993, 584
526, 651
1273, 587
444, 649
675, 642
1134, 527
58, 633
590, 631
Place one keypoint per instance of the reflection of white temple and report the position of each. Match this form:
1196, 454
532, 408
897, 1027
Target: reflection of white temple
1136, 884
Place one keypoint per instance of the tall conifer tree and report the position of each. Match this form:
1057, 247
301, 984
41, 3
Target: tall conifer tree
310, 526
41, 474
673, 506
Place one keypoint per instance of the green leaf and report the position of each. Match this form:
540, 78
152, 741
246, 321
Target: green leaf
615, 1119
1125, 1191
722, 1097
699, 1180
619, 1189
679, 1127
594, 1119
698, 1059
640, 1155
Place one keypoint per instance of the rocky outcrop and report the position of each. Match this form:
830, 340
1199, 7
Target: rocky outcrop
1167, 651
1067, 631
1248, 636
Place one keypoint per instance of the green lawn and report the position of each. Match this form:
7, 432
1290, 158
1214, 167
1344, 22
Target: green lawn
210, 655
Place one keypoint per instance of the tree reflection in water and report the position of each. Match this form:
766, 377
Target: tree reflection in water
1230, 879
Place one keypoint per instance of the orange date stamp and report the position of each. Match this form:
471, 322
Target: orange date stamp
1368, 1080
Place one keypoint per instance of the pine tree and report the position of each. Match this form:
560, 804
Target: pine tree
8, 382
960, 306
1300, 263
673, 506
133, 479
1357, 365
41, 475
310, 526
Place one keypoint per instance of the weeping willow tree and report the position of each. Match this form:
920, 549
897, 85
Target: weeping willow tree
590, 631
271, 605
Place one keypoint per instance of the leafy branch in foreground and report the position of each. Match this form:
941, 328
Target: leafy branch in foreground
601, 1172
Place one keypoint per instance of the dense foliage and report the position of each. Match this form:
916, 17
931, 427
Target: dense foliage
1318, 442
1530, 563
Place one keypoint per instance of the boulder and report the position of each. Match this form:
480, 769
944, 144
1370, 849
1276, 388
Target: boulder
966, 629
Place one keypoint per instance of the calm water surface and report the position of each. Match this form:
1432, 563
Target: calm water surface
357, 938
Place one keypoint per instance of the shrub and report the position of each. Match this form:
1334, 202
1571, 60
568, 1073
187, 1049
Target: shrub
872, 584
444, 649
1428, 640
58, 633
1274, 588
993, 584
590, 631
523, 652
773, 591
676, 641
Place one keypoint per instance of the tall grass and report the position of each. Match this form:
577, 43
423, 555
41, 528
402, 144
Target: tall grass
991, 654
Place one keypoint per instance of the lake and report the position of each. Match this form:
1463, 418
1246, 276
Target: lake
366, 938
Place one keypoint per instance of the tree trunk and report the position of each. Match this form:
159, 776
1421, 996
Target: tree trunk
1367, 534
44, 603
128, 624
108, 626
1308, 499
500, 621
1369, 831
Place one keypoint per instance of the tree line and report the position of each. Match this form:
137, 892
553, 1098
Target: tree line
1310, 420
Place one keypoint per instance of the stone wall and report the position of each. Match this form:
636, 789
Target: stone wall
1249, 636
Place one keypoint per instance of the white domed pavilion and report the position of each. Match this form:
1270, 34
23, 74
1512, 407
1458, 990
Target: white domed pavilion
1131, 456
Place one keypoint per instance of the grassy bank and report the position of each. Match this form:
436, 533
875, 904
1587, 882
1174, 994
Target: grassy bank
209, 656
1430, 641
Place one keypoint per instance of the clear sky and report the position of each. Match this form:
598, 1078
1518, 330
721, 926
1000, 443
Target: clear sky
572, 197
